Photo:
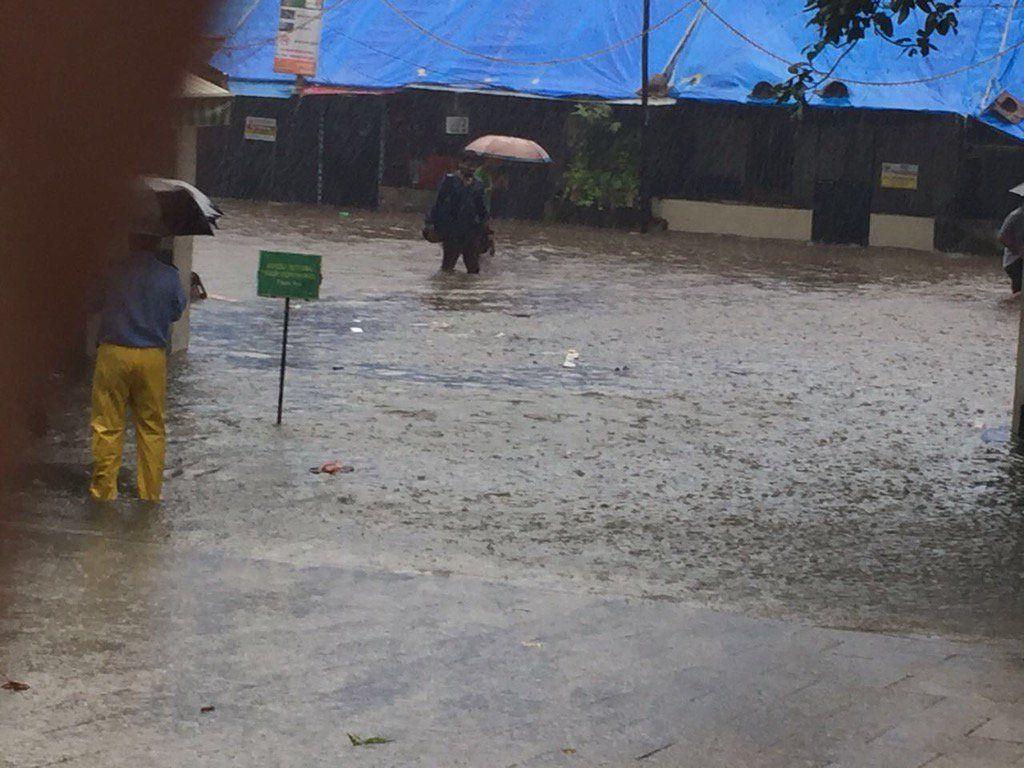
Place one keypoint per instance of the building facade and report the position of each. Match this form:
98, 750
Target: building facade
906, 179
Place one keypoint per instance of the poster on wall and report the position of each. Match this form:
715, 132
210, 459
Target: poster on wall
899, 176
260, 129
298, 37
456, 126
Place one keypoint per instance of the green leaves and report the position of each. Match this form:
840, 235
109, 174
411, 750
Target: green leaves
604, 168
843, 23
359, 741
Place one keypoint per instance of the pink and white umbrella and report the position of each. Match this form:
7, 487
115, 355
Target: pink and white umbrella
509, 148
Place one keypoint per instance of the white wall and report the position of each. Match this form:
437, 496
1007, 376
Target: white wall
735, 219
184, 169
915, 232
887, 230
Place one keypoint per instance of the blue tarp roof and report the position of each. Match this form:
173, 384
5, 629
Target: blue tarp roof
592, 48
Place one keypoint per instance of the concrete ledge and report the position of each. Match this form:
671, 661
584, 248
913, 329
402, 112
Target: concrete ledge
914, 232
736, 219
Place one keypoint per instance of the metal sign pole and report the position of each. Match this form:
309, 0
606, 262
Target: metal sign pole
645, 95
288, 276
284, 356
1018, 387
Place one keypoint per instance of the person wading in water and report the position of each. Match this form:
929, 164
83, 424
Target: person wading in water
1011, 236
458, 218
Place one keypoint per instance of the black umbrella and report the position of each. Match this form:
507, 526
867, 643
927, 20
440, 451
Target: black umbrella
172, 208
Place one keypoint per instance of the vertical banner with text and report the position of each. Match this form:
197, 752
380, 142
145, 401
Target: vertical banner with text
298, 37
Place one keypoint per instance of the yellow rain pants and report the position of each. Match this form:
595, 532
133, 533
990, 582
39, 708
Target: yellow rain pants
136, 378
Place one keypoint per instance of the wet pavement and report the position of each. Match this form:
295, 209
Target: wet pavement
652, 555
140, 650
786, 430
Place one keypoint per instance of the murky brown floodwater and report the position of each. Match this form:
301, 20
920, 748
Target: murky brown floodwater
773, 427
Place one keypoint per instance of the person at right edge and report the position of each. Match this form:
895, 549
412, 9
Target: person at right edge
142, 300
458, 218
1011, 235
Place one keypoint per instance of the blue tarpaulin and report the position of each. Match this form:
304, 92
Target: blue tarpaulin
712, 49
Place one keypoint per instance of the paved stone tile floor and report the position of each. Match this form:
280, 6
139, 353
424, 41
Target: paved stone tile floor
124, 639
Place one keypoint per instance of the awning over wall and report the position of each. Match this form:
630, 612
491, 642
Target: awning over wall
203, 103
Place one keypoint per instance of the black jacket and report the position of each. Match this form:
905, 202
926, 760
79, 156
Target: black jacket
459, 210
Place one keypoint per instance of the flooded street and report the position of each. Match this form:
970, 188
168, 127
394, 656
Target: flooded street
780, 429
616, 499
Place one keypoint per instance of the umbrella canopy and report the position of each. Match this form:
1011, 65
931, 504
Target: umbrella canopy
171, 208
509, 148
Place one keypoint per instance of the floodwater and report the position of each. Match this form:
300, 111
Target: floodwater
782, 429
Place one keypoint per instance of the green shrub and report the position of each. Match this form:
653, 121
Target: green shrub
604, 166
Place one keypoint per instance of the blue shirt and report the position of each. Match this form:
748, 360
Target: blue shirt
144, 297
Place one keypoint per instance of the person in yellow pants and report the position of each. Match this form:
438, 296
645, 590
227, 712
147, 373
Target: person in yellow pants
136, 377
142, 301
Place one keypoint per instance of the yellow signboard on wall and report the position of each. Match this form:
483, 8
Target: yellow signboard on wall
899, 176
260, 129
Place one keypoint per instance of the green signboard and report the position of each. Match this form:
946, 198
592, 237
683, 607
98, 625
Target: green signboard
288, 275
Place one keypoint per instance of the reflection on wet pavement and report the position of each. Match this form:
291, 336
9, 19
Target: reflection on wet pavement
773, 427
